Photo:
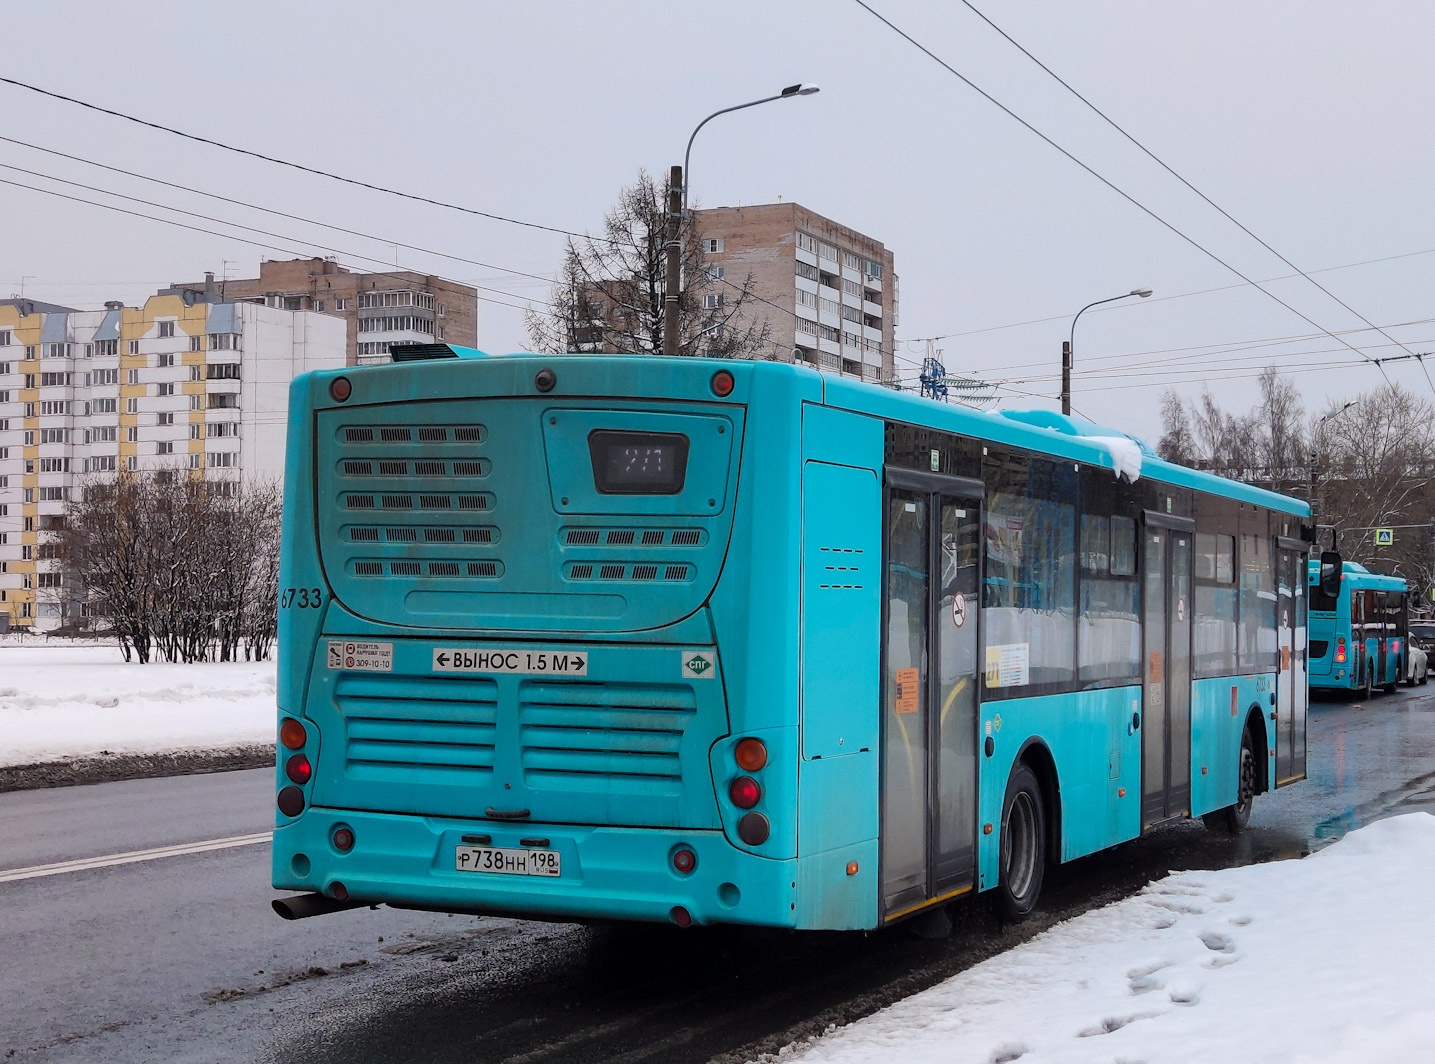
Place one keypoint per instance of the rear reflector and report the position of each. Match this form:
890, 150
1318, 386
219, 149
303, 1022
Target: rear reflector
684, 860
681, 916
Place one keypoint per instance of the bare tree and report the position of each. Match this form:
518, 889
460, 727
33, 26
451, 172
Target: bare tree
181, 567
610, 290
1379, 472
1178, 440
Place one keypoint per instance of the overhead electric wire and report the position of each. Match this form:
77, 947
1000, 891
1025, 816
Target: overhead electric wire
236, 225
1093, 172
1170, 170
212, 232
266, 210
1177, 295
285, 162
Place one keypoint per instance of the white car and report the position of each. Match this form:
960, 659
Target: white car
1417, 662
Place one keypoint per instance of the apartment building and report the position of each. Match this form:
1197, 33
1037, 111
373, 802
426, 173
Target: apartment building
378, 309
830, 292
177, 384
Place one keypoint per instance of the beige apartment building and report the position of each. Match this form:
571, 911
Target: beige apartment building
177, 384
379, 309
835, 290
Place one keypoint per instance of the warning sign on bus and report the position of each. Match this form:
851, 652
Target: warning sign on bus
361, 657
538, 661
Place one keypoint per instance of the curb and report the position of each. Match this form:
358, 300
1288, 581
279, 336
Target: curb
106, 768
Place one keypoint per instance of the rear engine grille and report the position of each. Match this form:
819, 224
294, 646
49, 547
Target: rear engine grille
450, 569
412, 434
422, 467
420, 534
628, 571
590, 735
629, 537
405, 501
402, 730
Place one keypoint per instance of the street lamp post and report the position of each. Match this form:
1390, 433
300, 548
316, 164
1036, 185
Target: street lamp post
677, 208
1067, 346
1317, 445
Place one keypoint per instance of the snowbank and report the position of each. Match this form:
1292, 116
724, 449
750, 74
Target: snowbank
1323, 959
64, 702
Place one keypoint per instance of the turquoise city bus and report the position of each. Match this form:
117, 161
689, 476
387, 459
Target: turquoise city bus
1358, 634
655, 639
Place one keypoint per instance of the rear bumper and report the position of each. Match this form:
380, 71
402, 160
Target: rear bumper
608, 873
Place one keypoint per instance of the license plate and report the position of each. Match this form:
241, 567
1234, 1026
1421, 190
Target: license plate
507, 862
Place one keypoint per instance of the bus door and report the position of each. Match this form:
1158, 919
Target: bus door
1291, 680
932, 545
1166, 682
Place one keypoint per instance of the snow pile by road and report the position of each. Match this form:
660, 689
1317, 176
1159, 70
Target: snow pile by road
1320, 960
58, 703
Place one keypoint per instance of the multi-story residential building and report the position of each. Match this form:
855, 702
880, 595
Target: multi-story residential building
379, 309
177, 384
830, 292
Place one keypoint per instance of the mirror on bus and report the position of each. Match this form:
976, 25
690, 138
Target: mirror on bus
1330, 569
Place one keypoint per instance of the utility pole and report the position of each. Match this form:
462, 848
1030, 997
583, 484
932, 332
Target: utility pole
675, 264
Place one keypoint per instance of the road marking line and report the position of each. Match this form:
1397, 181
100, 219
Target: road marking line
179, 849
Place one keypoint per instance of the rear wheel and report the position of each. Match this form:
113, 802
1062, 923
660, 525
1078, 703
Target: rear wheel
1390, 687
1023, 845
1233, 819
1369, 683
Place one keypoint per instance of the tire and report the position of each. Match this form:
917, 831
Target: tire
1023, 845
1369, 683
1425, 676
1233, 819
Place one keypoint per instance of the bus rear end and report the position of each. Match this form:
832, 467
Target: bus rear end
501, 685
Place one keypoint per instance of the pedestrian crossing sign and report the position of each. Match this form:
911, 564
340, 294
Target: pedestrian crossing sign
1384, 537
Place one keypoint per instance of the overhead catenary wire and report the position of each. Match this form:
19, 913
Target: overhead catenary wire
286, 162
236, 225
1170, 170
1095, 173
212, 232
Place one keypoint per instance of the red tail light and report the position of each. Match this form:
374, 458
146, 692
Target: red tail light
744, 792
722, 384
343, 839
1339, 651
298, 769
684, 860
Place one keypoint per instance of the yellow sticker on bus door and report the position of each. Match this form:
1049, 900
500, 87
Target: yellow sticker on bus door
908, 682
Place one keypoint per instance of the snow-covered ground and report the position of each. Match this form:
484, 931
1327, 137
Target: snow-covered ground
1326, 959
58, 703
1330, 958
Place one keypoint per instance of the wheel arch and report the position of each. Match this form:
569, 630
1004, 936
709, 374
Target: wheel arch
1036, 755
1256, 726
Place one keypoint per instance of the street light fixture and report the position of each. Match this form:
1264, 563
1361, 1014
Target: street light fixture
1067, 346
678, 207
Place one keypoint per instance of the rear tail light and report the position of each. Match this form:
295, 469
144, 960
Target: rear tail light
298, 769
292, 734
722, 384
291, 801
744, 792
750, 755
684, 860
1340, 650
340, 389
753, 829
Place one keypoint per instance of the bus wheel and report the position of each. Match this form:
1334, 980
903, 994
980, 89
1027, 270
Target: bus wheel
1023, 845
1233, 819
1399, 671
1369, 683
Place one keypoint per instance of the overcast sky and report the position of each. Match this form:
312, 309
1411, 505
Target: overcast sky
1307, 121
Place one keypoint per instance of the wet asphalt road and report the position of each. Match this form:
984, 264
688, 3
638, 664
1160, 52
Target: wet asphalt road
181, 959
